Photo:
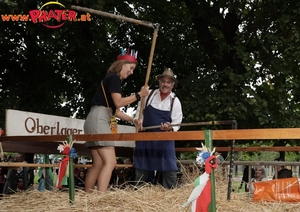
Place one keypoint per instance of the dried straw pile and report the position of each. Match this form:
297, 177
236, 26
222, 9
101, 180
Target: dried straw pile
146, 198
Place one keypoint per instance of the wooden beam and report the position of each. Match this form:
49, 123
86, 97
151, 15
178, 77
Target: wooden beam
242, 134
256, 134
51, 148
142, 136
45, 144
245, 149
248, 163
263, 163
17, 165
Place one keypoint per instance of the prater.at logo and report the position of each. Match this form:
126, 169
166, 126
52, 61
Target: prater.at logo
56, 15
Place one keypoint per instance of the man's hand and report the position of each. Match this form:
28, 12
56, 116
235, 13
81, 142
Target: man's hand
166, 126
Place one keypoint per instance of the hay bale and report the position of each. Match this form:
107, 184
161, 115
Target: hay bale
146, 198
133, 199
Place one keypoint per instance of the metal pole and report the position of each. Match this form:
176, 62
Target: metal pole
203, 123
71, 175
208, 144
234, 126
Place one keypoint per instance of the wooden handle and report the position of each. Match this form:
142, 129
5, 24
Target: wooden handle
148, 69
110, 15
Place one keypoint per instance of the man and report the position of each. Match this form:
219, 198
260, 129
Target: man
162, 109
282, 172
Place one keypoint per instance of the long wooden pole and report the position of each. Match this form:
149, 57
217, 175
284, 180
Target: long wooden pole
144, 23
149, 68
110, 15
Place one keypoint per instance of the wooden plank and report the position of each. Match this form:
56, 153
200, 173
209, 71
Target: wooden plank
242, 134
17, 165
51, 148
256, 134
38, 138
248, 163
28, 146
263, 163
245, 149
142, 136
252, 163
45, 144
261, 149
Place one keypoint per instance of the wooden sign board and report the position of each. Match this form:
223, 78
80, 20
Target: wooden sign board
22, 123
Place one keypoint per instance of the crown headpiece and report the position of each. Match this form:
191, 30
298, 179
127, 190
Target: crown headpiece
129, 55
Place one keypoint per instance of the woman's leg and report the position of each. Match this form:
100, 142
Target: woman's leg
93, 172
108, 157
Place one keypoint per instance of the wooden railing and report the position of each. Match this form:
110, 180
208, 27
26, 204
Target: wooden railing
246, 149
207, 135
239, 134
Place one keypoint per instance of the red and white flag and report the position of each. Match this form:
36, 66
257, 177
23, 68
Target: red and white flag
200, 197
62, 169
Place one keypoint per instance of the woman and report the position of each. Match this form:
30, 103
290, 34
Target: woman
106, 103
260, 175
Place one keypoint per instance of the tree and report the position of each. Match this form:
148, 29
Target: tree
235, 60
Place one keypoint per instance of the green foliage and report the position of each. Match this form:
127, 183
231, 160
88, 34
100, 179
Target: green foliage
235, 60
256, 156
188, 156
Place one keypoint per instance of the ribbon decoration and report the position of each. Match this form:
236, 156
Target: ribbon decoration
63, 169
201, 195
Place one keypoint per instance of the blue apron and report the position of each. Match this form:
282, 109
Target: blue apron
155, 155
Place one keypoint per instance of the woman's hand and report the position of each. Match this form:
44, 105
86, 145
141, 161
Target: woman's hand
138, 124
144, 91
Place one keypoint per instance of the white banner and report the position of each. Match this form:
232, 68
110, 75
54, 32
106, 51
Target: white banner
20, 123
27, 123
